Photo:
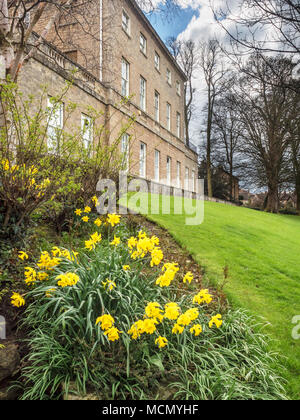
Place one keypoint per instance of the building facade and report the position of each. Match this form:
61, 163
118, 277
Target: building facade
123, 69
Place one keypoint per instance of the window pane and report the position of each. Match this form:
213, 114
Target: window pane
87, 130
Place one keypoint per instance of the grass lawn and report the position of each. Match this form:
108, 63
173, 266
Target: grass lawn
262, 252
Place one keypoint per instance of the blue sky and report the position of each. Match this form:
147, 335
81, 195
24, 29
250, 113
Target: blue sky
174, 25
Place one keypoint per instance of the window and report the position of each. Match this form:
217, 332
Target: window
168, 170
156, 61
143, 93
178, 88
125, 77
125, 22
143, 44
87, 131
178, 123
125, 151
55, 124
156, 106
169, 77
168, 116
156, 165
178, 175
193, 180
143, 160
186, 181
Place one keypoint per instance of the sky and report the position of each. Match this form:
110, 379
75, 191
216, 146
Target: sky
173, 26
195, 21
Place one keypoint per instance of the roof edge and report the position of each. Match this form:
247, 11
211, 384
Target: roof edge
162, 44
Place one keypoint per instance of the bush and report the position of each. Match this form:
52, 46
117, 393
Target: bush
111, 318
34, 178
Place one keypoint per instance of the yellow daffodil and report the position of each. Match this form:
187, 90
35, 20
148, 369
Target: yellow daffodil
196, 329
95, 200
113, 219
87, 209
172, 311
42, 276
161, 342
17, 300
67, 279
106, 321
98, 222
188, 277
203, 296
177, 329
116, 241
23, 256
217, 320
153, 310
126, 267
78, 212
85, 219
113, 334
30, 275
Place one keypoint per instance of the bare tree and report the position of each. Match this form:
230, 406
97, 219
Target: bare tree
227, 131
265, 111
186, 55
212, 67
280, 17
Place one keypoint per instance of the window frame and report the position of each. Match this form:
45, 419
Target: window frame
57, 125
126, 26
127, 79
178, 174
125, 151
156, 165
168, 117
178, 124
169, 77
143, 47
169, 170
143, 98
143, 159
87, 142
157, 61
156, 106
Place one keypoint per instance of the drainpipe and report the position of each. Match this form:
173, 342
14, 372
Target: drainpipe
101, 40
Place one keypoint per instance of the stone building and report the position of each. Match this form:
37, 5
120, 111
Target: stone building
117, 54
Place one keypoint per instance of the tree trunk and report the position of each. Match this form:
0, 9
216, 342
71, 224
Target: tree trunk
298, 193
272, 200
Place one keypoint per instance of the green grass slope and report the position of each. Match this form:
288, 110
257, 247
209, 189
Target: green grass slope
262, 252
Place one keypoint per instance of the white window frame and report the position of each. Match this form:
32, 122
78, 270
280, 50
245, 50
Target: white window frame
125, 150
178, 88
169, 170
143, 44
157, 165
125, 22
125, 74
168, 116
55, 124
156, 106
87, 131
157, 61
178, 174
186, 179
143, 93
178, 124
143, 157
169, 77
193, 180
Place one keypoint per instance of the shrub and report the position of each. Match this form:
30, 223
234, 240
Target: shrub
52, 179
